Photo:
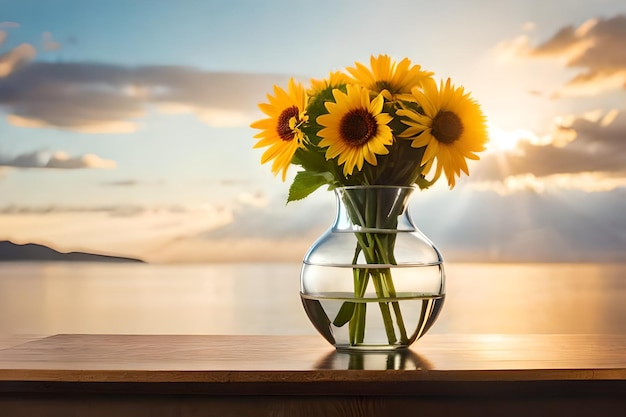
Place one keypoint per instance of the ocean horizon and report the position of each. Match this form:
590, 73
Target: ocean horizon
45, 298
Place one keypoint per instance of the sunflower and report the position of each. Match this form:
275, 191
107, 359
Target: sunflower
282, 129
452, 129
334, 80
388, 77
354, 128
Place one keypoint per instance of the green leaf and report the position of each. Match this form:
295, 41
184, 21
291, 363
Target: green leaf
344, 314
318, 315
305, 183
311, 159
423, 183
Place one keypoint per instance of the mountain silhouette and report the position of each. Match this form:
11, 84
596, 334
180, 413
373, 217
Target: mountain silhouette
10, 251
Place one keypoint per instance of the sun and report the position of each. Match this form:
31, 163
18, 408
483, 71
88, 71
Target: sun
501, 140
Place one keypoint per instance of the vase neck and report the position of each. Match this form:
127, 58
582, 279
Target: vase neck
373, 208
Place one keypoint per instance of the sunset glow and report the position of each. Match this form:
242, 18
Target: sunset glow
503, 141
136, 140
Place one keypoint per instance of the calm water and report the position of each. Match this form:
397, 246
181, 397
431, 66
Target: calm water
50, 298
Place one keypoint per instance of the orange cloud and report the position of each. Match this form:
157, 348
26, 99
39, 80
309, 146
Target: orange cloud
62, 160
585, 152
16, 58
597, 47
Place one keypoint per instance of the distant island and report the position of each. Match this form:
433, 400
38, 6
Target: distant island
10, 251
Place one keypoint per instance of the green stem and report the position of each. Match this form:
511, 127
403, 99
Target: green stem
367, 211
386, 254
356, 327
396, 309
384, 307
374, 254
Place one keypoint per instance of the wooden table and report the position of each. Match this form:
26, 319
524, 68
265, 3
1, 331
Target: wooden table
441, 375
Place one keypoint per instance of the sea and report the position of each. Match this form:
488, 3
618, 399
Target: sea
263, 298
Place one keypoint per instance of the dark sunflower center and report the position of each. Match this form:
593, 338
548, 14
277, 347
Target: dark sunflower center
447, 127
357, 127
284, 130
383, 85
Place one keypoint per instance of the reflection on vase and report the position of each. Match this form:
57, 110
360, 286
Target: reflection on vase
373, 281
404, 359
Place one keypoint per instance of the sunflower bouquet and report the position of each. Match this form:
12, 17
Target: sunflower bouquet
389, 124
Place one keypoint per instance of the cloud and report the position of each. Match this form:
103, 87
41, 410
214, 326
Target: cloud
527, 226
135, 231
585, 181
585, 150
596, 48
95, 98
133, 183
3, 33
255, 213
523, 226
9, 25
115, 210
112, 210
55, 160
15, 59
49, 44
62, 160
259, 230
123, 183
513, 49
258, 199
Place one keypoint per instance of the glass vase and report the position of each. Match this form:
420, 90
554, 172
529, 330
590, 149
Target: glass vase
373, 281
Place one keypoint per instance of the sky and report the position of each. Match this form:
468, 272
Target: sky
124, 125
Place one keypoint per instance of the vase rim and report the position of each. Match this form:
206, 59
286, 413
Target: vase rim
382, 186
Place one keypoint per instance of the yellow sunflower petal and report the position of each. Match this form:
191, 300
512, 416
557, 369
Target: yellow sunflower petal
431, 151
422, 140
389, 77
452, 127
353, 150
280, 132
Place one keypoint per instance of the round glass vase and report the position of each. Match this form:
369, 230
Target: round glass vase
373, 281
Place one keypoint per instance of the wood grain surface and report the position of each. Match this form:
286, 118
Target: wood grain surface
185, 375
214, 358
